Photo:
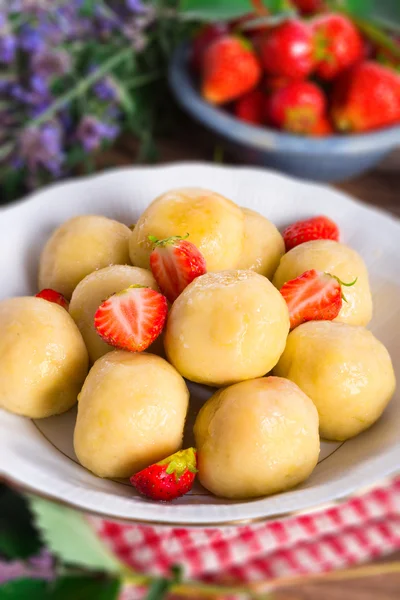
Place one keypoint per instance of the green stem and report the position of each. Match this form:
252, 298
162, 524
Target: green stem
142, 80
375, 34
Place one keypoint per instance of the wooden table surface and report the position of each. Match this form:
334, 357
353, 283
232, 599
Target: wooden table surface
379, 187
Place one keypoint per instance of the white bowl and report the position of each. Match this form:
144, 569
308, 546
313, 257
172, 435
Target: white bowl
38, 455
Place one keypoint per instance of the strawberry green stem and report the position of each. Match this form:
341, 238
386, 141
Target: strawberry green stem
166, 241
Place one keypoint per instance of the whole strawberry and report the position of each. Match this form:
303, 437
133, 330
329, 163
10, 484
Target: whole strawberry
250, 107
313, 296
175, 262
288, 50
296, 107
204, 37
338, 44
365, 98
53, 296
168, 479
230, 68
316, 228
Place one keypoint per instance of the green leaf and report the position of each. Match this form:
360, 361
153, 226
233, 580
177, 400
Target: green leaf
87, 8
161, 586
24, 589
84, 587
18, 537
215, 10
69, 536
381, 12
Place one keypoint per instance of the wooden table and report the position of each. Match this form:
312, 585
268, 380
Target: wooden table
380, 187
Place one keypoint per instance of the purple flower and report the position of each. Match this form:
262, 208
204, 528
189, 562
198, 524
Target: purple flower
7, 48
41, 147
38, 567
106, 89
51, 63
30, 39
39, 85
91, 132
135, 5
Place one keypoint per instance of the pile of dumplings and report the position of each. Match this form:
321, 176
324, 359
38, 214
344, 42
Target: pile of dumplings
277, 391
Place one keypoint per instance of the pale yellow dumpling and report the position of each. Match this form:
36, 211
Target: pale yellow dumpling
256, 438
79, 247
336, 259
93, 290
214, 224
345, 371
226, 327
131, 413
43, 359
263, 244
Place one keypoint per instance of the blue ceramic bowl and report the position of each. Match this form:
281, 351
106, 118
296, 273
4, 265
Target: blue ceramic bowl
332, 158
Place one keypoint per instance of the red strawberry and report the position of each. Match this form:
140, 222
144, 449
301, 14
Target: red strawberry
53, 296
308, 7
132, 319
174, 263
314, 296
250, 107
288, 50
338, 44
206, 35
316, 228
169, 478
366, 97
322, 128
296, 107
230, 69
276, 82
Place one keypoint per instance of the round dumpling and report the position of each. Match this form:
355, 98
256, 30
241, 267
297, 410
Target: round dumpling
345, 371
255, 438
226, 327
263, 245
93, 290
79, 247
131, 413
336, 259
214, 224
43, 359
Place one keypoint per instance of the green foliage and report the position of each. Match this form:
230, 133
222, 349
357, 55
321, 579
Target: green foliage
18, 537
161, 585
224, 10
24, 589
81, 587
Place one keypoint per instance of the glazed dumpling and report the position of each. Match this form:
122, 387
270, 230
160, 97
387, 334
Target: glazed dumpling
79, 247
226, 327
43, 359
256, 438
131, 413
93, 290
214, 224
336, 259
263, 244
345, 371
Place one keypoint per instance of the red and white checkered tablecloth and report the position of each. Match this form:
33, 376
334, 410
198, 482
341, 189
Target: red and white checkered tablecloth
351, 532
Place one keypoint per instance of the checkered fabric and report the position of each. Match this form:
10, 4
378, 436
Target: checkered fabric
351, 532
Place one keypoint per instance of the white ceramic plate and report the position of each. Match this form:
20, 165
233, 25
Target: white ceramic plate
38, 455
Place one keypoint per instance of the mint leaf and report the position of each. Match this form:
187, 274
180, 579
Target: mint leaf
222, 10
161, 586
83, 587
18, 537
24, 589
68, 535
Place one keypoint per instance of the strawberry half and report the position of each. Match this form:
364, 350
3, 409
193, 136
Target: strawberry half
169, 478
53, 296
132, 319
313, 296
174, 263
317, 228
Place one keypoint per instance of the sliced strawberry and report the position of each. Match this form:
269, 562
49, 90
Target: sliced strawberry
317, 228
132, 319
53, 296
169, 478
313, 296
174, 263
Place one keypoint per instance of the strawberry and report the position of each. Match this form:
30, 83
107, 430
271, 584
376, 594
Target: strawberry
316, 228
338, 44
205, 36
296, 107
53, 296
131, 319
276, 82
230, 69
250, 107
322, 128
314, 296
174, 263
169, 478
366, 97
287, 50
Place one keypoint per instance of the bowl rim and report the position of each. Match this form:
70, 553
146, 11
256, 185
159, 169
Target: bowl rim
261, 137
